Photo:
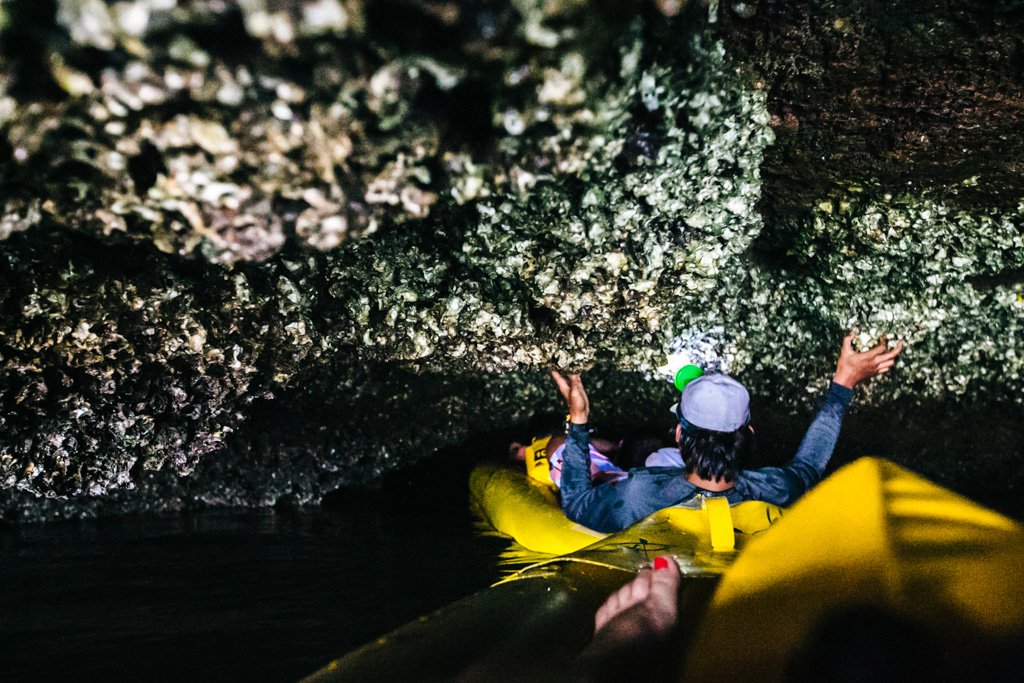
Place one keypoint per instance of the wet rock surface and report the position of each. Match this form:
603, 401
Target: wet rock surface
910, 95
255, 251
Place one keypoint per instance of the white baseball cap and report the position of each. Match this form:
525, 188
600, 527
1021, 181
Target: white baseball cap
715, 402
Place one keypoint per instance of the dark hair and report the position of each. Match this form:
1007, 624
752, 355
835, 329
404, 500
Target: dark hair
715, 455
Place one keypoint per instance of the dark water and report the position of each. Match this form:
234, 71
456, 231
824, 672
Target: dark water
226, 595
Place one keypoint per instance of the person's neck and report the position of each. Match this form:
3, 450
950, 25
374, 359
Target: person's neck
713, 485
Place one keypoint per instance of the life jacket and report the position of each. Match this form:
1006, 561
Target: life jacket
536, 459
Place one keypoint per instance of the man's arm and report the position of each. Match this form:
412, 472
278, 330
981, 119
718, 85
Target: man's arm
607, 506
783, 485
582, 501
613, 505
576, 456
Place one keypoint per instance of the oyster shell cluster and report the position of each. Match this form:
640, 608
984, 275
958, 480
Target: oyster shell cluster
255, 250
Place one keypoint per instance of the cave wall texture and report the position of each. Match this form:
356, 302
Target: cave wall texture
254, 250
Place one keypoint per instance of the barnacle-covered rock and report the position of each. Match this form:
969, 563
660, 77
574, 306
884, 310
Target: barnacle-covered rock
908, 267
915, 95
179, 142
256, 250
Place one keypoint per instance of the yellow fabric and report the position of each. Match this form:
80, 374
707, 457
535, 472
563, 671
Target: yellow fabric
537, 461
871, 534
748, 517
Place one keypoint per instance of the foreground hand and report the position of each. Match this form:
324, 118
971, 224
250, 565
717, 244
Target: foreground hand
854, 367
575, 396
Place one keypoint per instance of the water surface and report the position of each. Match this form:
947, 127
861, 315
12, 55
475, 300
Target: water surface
226, 595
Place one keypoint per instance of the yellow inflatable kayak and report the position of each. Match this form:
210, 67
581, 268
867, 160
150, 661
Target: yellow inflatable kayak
529, 512
872, 533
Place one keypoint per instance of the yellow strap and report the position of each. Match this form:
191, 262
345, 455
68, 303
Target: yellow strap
537, 461
723, 538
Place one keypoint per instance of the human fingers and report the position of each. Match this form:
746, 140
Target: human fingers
889, 353
880, 347
880, 370
847, 346
893, 352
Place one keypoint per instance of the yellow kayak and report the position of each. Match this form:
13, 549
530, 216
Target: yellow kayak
872, 533
528, 511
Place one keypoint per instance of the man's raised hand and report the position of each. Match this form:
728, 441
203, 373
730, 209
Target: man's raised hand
854, 367
575, 396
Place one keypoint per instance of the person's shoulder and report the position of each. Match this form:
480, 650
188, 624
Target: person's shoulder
754, 482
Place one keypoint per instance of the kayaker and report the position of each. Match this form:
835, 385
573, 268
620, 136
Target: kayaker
547, 449
713, 435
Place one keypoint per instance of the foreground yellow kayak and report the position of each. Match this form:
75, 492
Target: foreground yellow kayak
875, 536
871, 534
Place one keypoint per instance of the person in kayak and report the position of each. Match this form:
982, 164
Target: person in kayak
547, 449
713, 435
